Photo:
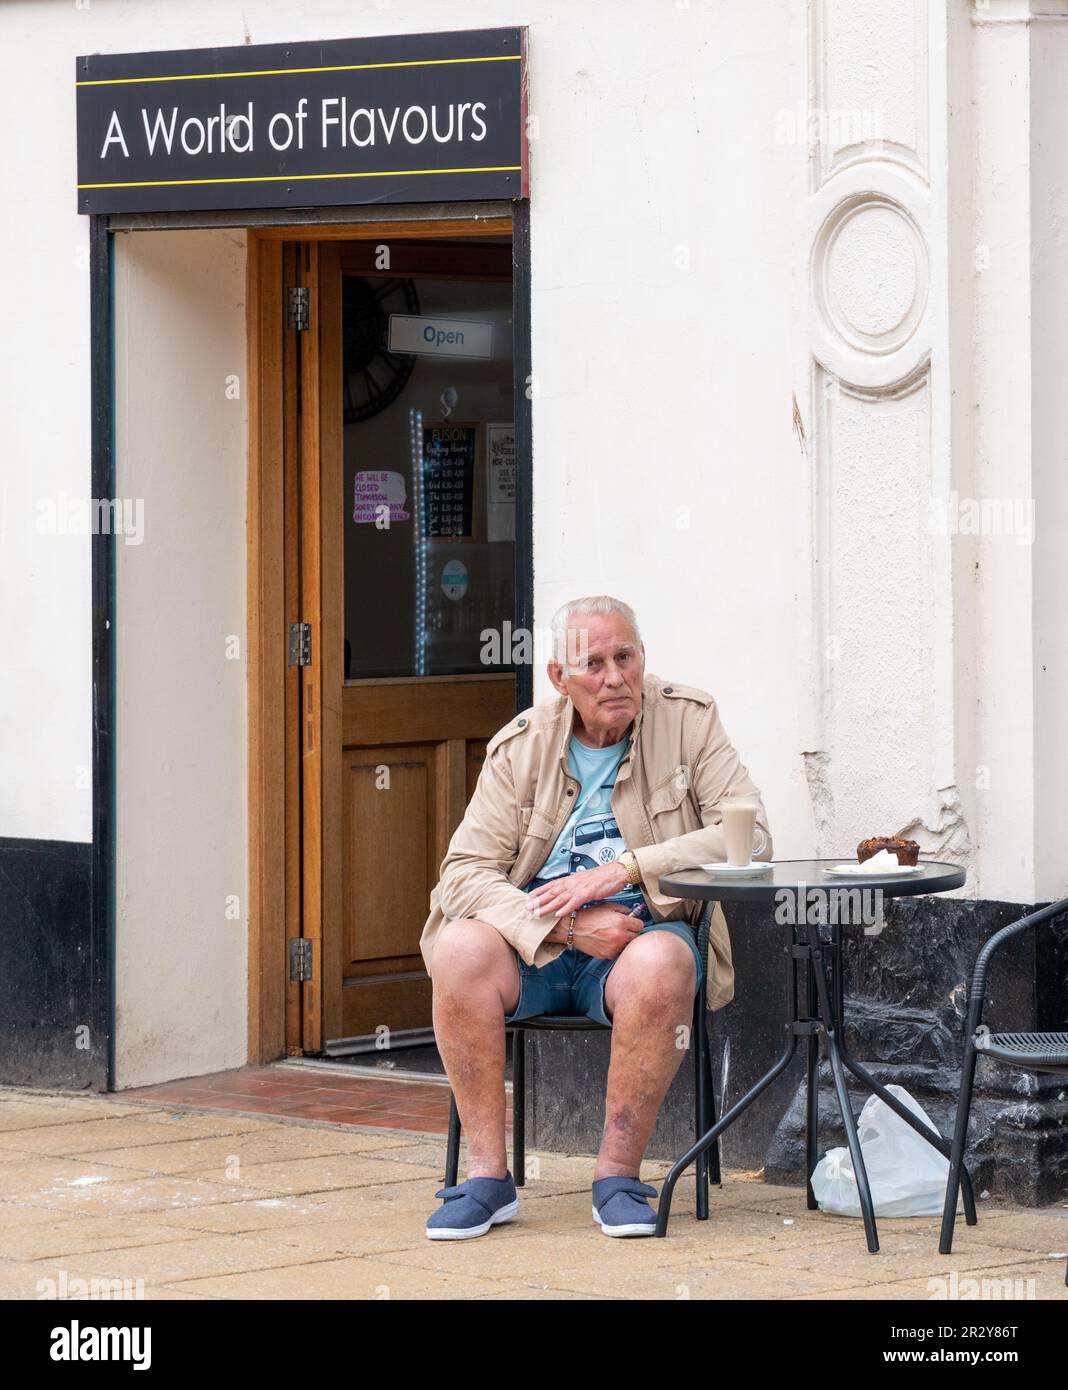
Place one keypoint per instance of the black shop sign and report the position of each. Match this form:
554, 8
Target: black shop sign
416, 118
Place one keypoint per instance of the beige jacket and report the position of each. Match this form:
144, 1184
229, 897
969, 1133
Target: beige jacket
525, 793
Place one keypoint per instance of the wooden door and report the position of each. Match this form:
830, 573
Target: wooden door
407, 559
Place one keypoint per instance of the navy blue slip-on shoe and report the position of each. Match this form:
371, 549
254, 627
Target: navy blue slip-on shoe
472, 1207
620, 1208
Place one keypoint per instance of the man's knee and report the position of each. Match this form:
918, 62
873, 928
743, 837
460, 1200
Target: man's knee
658, 967
467, 949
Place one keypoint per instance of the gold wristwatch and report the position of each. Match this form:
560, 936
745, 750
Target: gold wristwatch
631, 865
571, 932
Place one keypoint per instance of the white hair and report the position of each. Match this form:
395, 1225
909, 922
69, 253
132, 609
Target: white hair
596, 603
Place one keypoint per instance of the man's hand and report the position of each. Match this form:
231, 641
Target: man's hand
601, 931
562, 896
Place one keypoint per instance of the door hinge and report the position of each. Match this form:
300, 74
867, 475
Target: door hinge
300, 958
299, 644
298, 307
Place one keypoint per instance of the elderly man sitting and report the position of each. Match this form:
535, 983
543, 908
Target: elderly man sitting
549, 902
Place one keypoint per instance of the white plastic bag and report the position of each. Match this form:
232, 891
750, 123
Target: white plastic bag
906, 1175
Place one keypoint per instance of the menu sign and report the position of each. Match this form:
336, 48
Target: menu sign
500, 482
449, 452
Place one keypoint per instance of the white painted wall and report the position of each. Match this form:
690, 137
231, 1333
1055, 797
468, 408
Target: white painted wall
1049, 346
181, 765
45, 602
666, 467
1018, 312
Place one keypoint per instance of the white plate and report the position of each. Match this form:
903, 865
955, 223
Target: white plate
739, 870
858, 871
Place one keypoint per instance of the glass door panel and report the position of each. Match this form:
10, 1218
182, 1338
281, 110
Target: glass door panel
429, 475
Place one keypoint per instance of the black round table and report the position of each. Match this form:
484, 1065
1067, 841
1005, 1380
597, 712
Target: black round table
813, 907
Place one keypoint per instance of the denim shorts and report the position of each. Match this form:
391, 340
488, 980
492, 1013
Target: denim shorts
574, 982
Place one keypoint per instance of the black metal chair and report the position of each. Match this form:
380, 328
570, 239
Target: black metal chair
707, 1166
1042, 1052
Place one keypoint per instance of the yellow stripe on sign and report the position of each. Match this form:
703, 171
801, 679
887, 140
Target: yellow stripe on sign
282, 72
295, 178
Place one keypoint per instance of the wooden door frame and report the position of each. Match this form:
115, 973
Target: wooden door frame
287, 1018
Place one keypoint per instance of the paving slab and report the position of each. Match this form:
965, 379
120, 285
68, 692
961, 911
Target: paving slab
1043, 1232
105, 1134
166, 1261
346, 1171
228, 1154
1020, 1283
68, 1235
899, 1257
94, 1187
19, 1115
347, 1278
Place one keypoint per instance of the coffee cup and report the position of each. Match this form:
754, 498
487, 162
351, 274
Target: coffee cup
739, 815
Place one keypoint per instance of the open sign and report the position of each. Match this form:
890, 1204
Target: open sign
440, 337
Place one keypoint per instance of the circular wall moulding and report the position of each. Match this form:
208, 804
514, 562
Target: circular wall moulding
870, 273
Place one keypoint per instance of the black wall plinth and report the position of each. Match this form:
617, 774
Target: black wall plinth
50, 1032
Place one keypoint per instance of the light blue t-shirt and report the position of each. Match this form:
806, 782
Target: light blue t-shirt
590, 836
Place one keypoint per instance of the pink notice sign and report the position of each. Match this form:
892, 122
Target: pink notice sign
379, 497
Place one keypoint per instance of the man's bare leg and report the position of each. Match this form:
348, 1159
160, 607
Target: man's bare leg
649, 998
476, 982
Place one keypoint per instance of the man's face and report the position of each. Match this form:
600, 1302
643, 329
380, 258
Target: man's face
604, 674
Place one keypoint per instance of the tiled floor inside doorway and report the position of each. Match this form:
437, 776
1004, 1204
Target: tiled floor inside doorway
351, 1091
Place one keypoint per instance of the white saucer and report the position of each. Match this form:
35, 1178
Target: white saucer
738, 870
858, 871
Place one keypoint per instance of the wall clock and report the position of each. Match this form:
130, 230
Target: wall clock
374, 377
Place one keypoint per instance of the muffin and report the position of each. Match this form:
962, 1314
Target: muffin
907, 851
